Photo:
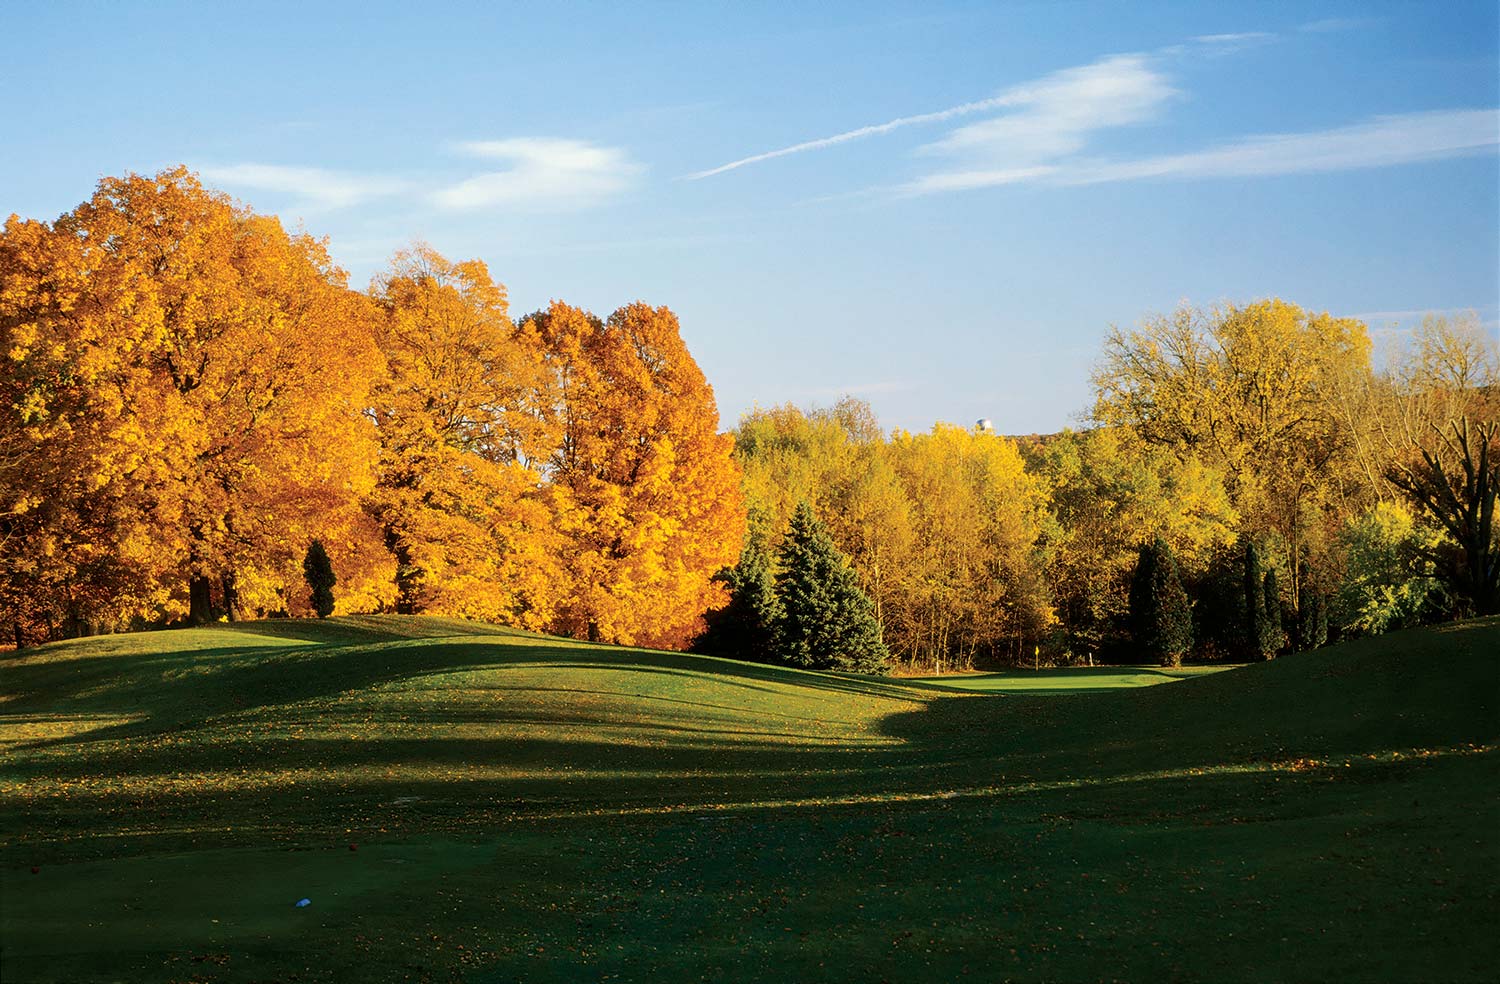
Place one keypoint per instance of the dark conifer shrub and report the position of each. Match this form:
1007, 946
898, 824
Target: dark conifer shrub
746, 627
1161, 620
827, 622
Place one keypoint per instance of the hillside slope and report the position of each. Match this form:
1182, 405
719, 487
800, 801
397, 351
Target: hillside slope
531, 808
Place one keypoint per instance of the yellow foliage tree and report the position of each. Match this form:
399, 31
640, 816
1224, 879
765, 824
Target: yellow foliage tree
1253, 390
1109, 492
70, 532
1443, 438
974, 583
463, 434
836, 460
646, 491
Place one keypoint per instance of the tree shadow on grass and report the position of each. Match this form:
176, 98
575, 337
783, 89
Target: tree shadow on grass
187, 688
1159, 858
667, 750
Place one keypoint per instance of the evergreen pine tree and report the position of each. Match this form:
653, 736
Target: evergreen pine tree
1312, 613
318, 570
1275, 623
1161, 619
746, 627
1261, 636
827, 622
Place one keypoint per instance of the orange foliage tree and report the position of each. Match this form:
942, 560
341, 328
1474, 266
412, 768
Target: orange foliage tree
192, 396
646, 492
189, 378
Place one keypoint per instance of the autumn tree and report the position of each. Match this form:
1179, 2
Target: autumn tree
646, 491
1161, 619
835, 459
1107, 489
944, 530
1388, 574
1254, 390
826, 621
974, 584
189, 377
464, 437
1445, 443
789, 455
66, 510
1456, 482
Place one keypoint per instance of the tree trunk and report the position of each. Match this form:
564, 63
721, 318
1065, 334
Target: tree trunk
20, 636
408, 575
230, 584
200, 601
71, 627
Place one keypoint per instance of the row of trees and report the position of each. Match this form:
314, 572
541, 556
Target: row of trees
945, 529
1161, 613
1252, 484
192, 396
1368, 496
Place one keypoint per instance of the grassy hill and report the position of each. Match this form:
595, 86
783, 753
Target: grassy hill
463, 802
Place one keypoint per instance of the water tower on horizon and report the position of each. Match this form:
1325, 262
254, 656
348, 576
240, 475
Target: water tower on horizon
984, 425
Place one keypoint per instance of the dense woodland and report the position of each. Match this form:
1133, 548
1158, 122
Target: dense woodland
197, 405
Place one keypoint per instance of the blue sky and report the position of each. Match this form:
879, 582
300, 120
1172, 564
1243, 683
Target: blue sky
937, 208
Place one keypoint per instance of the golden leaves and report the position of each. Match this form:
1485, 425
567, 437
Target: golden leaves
184, 418
199, 395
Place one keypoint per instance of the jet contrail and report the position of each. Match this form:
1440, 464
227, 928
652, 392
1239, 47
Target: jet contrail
864, 131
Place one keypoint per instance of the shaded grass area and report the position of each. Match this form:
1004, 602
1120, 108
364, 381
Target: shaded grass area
527, 808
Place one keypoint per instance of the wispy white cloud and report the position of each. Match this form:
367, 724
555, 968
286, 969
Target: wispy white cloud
980, 178
1042, 143
1054, 109
1384, 141
1052, 120
542, 172
1055, 116
1237, 40
312, 186
1040, 131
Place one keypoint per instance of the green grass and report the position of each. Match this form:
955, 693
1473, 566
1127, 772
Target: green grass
1069, 679
537, 809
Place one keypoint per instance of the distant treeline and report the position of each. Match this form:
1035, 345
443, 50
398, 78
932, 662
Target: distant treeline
192, 396
1252, 443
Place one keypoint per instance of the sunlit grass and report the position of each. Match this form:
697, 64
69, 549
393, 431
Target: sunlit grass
1069, 680
18, 730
